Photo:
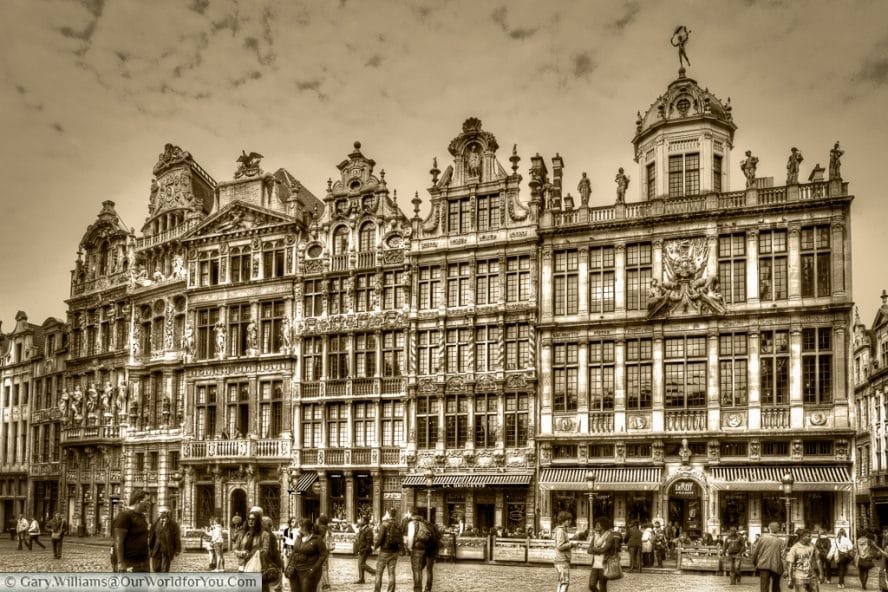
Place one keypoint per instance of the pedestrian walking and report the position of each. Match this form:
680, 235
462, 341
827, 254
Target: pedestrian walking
389, 541
840, 552
217, 541
21, 529
767, 557
601, 547
634, 546
257, 550
290, 533
867, 554
164, 542
822, 546
661, 544
422, 542
647, 545
273, 567
801, 564
130, 530
58, 528
363, 548
306, 560
323, 530
34, 534
733, 550
563, 547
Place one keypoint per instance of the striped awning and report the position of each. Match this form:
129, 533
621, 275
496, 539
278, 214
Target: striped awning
606, 479
768, 478
469, 480
306, 480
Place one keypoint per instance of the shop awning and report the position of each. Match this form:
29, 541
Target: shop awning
306, 480
469, 480
768, 478
606, 479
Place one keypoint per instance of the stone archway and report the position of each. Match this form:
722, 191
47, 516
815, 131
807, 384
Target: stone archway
683, 493
237, 504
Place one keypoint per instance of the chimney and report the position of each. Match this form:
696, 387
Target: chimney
884, 297
557, 171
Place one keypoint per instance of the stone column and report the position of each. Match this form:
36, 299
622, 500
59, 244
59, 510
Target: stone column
753, 381
838, 261
620, 385
349, 496
658, 421
470, 508
712, 387
839, 384
656, 260
545, 386
752, 286
794, 264
442, 425
620, 277
378, 503
546, 294
286, 497
583, 403
797, 410
583, 282
325, 504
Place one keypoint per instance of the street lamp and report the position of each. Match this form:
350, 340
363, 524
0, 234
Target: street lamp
787, 482
590, 484
429, 479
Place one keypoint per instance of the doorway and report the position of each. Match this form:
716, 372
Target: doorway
238, 505
687, 515
311, 508
485, 516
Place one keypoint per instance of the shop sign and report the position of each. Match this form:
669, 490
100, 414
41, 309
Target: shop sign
392, 496
684, 488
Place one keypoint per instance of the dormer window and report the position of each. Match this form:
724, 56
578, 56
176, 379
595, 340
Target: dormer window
684, 174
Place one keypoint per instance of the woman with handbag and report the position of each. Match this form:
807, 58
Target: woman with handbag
257, 550
306, 559
867, 553
605, 556
840, 552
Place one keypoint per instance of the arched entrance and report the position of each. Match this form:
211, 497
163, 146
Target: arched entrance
238, 504
685, 506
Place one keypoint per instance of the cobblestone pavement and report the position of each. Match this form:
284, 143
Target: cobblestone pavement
449, 577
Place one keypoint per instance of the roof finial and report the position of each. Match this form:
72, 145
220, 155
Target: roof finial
416, 202
382, 176
329, 184
884, 297
679, 39
435, 171
515, 158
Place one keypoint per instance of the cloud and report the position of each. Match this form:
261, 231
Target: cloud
313, 85
499, 15
199, 6
874, 69
632, 10
58, 127
374, 61
85, 35
583, 65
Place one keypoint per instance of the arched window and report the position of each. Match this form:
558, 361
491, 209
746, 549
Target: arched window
103, 258
340, 240
367, 238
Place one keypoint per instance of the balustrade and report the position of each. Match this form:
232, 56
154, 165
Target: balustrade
735, 199
367, 259
686, 420
266, 448
363, 387
339, 263
775, 418
310, 390
361, 456
392, 386
600, 423
391, 456
310, 456
337, 388
334, 456
771, 195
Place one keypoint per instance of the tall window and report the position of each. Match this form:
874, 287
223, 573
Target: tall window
312, 420
367, 238
313, 298
238, 409
772, 265
566, 289
239, 264
392, 290
312, 350
774, 360
732, 266
364, 284
601, 376
393, 353
238, 320
337, 425
684, 174
340, 240
517, 343
336, 292
205, 411
273, 259
732, 377
485, 420
601, 279
426, 421
456, 420
717, 173
206, 334
817, 365
518, 278
365, 424
459, 216
458, 284
488, 212
337, 357
517, 406
427, 352
457, 350
487, 348
564, 374
684, 372
816, 261
429, 287
638, 275
365, 355
271, 315
487, 282
392, 424
651, 180
208, 268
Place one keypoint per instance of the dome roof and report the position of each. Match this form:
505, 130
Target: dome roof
683, 101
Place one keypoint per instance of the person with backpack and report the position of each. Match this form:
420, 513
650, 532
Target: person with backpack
734, 548
661, 544
363, 548
422, 542
389, 541
58, 528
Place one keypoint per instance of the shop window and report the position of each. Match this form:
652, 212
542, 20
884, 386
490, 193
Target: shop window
564, 451
818, 447
601, 451
775, 448
740, 449
638, 450
732, 509
336, 490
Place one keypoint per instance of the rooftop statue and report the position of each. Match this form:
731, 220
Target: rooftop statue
792, 166
835, 162
585, 190
679, 39
622, 184
748, 167
249, 164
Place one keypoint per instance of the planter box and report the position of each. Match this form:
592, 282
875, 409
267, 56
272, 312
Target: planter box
510, 550
471, 548
699, 559
540, 551
345, 543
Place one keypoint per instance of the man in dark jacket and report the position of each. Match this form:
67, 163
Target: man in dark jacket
767, 557
422, 543
58, 528
165, 541
389, 541
363, 548
131, 535
634, 546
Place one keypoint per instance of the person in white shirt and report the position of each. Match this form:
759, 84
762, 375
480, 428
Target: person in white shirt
840, 552
217, 540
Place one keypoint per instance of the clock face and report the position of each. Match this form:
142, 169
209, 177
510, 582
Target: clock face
314, 251
394, 241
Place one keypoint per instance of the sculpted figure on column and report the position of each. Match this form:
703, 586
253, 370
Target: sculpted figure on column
792, 166
748, 167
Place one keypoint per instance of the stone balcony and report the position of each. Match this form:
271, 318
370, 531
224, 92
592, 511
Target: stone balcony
91, 434
348, 457
352, 387
245, 449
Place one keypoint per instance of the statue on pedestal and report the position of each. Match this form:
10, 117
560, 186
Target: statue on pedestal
792, 166
835, 162
622, 184
748, 167
585, 190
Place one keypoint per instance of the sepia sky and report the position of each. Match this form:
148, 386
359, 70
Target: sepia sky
91, 90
